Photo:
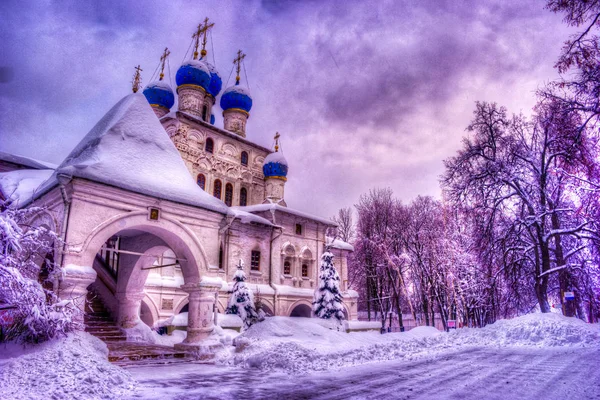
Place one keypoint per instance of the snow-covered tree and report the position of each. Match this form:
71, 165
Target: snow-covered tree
241, 301
327, 302
36, 312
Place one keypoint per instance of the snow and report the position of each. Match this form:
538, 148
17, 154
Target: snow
19, 186
128, 148
341, 245
159, 85
248, 218
304, 345
276, 158
365, 325
276, 207
74, 367
238, 89
26, 161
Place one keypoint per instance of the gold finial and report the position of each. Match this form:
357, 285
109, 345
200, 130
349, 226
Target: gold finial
163, 59
201, 31
277, 136
238, 61
137, 79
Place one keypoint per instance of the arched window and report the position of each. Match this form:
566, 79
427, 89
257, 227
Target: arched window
229, 194
201, 181
305, 270
217, 189
205, 113
244, 158
243, 197
287, 268
210, 145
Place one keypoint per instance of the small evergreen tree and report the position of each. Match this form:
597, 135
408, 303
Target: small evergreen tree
327, 302
241, 301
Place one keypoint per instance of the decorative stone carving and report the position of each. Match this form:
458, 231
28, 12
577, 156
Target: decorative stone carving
235, 121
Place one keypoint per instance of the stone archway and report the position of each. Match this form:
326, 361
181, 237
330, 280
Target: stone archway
302, 311
143, 242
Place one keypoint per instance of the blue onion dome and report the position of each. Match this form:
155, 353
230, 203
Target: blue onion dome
193, 72
215, 85
238, 97
275, 166
159, 93
212, 119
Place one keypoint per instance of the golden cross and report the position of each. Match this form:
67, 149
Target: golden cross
202, 30
137, 79
238, 61
277, 136
205, 30
163, 59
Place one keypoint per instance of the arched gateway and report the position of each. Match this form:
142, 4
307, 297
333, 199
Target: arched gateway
141, 242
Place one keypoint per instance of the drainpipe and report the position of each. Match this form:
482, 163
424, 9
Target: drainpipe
63, 180
276, 292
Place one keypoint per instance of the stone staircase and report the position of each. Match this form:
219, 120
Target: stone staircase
99, 323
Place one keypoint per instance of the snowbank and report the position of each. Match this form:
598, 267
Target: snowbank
540, 330
303, 345
74, 367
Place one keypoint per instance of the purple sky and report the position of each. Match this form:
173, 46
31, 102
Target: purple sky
365, 94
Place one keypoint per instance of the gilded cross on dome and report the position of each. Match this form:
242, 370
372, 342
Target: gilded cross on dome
201, 32
163, 59
238, 61
277, 136
137, 79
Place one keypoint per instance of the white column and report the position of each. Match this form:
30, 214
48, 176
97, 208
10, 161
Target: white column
200, 313
73, 285
129, 308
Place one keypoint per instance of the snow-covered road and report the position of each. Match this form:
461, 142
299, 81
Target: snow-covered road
473, 373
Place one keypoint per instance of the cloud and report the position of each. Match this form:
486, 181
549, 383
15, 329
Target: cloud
365, 94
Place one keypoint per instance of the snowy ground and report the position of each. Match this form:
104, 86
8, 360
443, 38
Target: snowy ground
531, 357
473, 373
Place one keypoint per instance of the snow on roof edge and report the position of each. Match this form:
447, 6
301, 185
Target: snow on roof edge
277, 207
26, 161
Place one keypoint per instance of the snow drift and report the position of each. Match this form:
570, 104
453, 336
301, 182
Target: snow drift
74, 367
303, 345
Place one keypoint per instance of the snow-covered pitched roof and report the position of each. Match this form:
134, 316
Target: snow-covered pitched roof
341, 245
26, 161
19, 186
128, 148
287, 210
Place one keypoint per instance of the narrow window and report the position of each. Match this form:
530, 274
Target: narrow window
255, 261
243, 197
244, 158
298, 229
201, 181
229, 194
221, 257
287, 268
210, 145
217, 189
304, 270
205, 113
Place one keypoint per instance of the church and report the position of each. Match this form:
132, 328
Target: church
156, 206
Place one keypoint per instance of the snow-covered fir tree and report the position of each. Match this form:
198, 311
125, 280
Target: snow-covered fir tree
241, 301
327, 302
36, 314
